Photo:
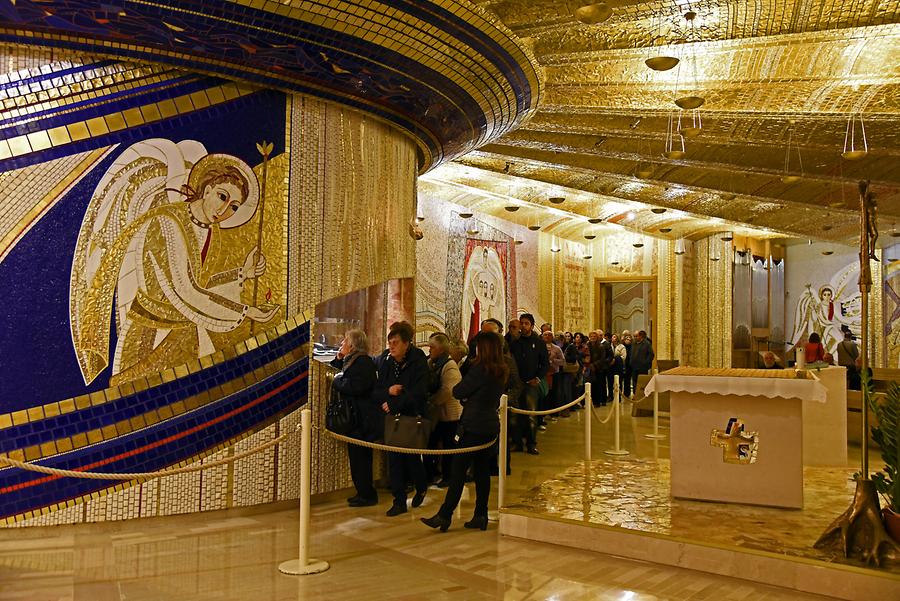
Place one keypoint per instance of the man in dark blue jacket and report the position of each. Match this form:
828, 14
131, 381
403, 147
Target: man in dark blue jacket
402, 388
530, 354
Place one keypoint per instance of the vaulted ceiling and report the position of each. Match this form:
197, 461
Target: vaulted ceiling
773, 73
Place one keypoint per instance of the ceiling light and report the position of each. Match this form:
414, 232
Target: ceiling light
827, 252
658, 210
679, 246
855, 144
590, 236
665, 230
694, 129
557, 200
690, 102
613, 262
595, 220
630, 215
643, 171
728, 236
588, 257
534, 227
593, 13
555, 249
518, 241
788, 177
674, 148
511, 208
465, 215
660, 62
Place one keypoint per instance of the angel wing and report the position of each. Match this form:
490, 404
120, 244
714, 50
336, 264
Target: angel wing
804, 317
106, 261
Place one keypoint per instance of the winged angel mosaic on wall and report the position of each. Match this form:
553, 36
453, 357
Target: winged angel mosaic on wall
150, 251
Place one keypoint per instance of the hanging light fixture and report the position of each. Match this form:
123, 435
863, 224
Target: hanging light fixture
658, 210
855, 144
472, 228
595, 220
660, 62
592, 13
557, 200
690, 124
689, 101
674, 148
788, 177
555, 249
728, 236
644, 168
517, 242
511, 208
465, 215
534, 227
679, 246
639, 241
590, 235
665, 230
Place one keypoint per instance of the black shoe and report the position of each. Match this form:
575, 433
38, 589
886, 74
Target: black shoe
478, 521
437, 521
395, 510
418, 498
361, 502
353, 499
533, 451
443, 484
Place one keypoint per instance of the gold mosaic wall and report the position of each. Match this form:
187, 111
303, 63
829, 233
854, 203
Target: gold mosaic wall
706, 306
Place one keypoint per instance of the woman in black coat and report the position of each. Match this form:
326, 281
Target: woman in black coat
354, 383
479, 392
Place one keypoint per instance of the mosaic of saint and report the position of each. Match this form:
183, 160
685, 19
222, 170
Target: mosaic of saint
824, 309
150, 250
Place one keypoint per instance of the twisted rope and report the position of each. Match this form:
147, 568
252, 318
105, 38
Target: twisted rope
606, 419
52, 471
404, 450
548, 411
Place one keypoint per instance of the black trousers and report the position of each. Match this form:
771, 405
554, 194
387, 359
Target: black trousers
443, 437
361, 471
401, 468
634, 378
481, 468
627, 382
598, 388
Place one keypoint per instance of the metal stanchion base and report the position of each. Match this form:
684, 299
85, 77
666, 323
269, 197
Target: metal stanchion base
294, 568
615, 452
655, 436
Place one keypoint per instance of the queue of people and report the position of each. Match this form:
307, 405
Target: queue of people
457, 387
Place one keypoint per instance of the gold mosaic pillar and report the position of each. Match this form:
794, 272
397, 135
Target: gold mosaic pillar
665, 300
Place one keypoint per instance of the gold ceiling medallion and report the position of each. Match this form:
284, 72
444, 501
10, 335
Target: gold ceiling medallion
660, 62
689, 102
690, 127
592, 13
788, 177
557, 200
674, 143
855, 144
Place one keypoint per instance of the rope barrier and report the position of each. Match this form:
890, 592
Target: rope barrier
548, 411
52, 471
606, 419
404, 450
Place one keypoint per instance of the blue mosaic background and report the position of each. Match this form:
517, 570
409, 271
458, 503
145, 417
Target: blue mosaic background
35, 274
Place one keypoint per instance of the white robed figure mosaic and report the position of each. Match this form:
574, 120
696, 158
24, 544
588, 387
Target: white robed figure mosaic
149, 251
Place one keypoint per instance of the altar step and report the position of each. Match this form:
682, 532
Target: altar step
795, 573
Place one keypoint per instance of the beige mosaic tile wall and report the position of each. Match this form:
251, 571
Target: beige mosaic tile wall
707, 317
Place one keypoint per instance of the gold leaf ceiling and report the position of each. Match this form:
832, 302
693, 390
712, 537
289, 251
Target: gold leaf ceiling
769, 70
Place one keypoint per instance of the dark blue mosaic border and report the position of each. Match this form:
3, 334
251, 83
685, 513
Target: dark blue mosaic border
126, 407
293, 380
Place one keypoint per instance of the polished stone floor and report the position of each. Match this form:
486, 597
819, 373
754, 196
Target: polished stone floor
235, 554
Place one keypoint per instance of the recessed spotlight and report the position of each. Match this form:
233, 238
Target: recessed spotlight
630, 215
557, 200
512, 208
658, 210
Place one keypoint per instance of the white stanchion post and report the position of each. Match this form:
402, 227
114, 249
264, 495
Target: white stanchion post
617, 450
656, 435
501, 460
304, 566
588, 407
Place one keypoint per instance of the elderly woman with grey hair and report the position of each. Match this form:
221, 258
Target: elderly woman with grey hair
444, 376
355, 382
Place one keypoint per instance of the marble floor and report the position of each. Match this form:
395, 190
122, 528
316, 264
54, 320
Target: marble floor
234, 554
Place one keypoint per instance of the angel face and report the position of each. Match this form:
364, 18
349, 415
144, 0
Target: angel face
826, 295
220, 201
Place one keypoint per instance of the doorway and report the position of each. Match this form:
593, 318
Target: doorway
626, 304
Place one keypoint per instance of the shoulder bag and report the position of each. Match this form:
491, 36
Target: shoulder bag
407, 431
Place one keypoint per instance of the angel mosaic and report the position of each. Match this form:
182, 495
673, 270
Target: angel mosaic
149, 251
484, 290
829, 307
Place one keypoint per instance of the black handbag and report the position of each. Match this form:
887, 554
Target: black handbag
406, 431
339, 415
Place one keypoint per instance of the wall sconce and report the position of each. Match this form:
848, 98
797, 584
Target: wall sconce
715, 253
420, 218
679, 246
555, 249
728, 236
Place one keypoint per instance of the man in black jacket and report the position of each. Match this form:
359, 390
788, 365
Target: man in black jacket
641, 357
601, 358
530, 354
402, 389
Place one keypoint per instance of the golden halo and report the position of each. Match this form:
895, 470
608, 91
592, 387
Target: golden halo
216, 162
